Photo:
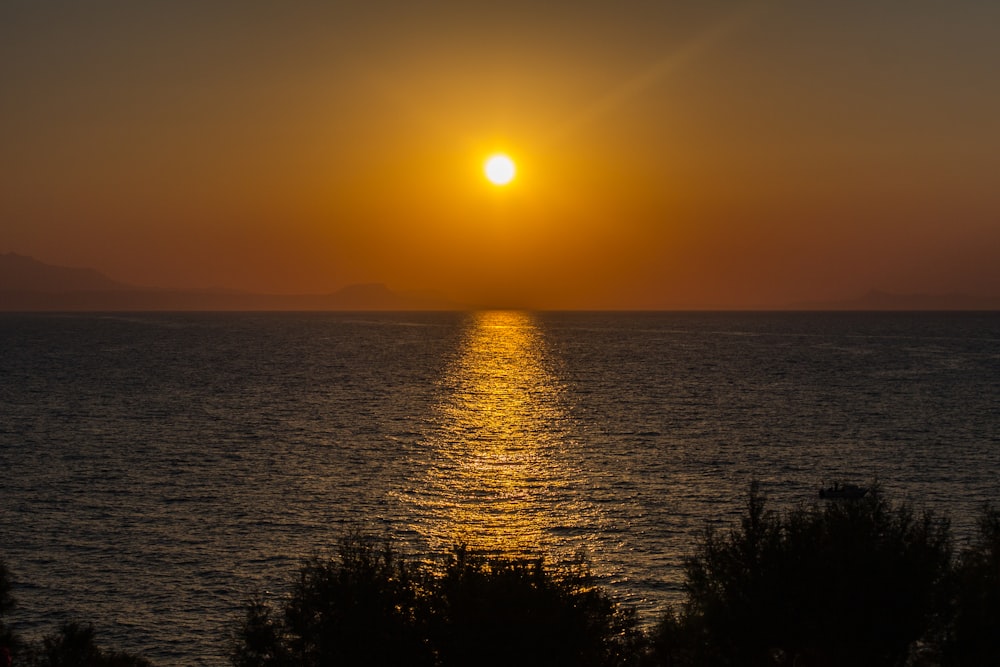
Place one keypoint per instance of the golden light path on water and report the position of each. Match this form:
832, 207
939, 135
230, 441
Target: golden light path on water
499, 472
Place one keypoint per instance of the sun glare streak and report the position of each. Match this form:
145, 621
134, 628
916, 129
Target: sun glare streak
501, 480
656, 72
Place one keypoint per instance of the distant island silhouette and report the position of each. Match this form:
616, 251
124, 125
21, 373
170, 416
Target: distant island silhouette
879, 300
27, 284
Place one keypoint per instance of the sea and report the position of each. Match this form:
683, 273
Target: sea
157, 470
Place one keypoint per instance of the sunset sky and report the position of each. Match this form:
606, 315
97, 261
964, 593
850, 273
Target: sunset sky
669, 154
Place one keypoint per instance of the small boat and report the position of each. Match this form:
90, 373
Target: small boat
843, 492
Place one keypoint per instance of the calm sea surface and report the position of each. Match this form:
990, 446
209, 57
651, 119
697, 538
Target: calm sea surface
157, 469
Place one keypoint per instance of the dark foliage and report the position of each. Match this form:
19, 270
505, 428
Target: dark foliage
497, 611
74, 646
850, 582
6, 600
974, 637
359, 609
9, 642
260, 638
369, 606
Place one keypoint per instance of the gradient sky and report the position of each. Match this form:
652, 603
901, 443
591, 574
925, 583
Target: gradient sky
670, 154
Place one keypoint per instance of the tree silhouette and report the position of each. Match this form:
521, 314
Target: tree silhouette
502, 611
848, 582
358, 608
8, 640
74, 646
854, 582
371, 606
974, 637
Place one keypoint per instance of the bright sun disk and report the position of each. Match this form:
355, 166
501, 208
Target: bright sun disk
499, 169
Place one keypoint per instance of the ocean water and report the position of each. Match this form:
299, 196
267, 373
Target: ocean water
157, 469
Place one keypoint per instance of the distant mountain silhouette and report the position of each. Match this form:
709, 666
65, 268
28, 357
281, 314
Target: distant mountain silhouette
878, 300
25, 274
29, 285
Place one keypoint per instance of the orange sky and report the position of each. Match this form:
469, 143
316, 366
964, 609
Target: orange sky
725, 154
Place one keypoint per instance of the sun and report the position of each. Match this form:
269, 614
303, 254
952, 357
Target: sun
499, 169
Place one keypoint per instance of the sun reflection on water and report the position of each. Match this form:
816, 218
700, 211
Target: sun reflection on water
500, 476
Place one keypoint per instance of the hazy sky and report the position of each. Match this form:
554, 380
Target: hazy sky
670, 154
